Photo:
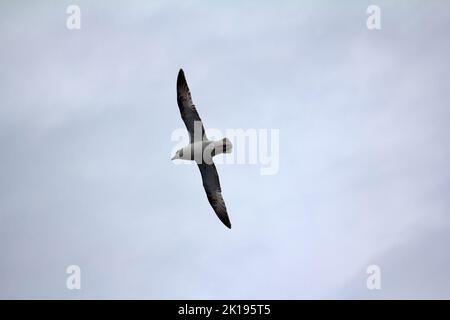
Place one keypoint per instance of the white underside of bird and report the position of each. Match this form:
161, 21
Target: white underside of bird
203, 151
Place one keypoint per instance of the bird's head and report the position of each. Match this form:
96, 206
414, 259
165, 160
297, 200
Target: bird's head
178, 155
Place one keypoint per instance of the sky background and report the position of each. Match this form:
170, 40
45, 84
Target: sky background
86, 118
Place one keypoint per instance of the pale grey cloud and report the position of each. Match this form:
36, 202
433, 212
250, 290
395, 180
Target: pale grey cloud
85, 124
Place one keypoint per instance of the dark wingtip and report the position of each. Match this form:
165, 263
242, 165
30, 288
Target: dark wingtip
226, 222
180, 74
181, 79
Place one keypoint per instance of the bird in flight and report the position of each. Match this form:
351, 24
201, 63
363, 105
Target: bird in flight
201, 150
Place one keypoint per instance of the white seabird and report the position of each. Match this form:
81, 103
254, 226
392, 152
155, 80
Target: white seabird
202, 150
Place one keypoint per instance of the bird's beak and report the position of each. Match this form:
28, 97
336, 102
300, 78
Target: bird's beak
174, 157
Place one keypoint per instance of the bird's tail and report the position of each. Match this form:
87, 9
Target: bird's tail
223, 146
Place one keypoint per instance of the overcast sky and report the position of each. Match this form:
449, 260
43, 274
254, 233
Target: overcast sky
86, 118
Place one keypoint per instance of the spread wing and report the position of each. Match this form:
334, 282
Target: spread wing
187, 109
213, 192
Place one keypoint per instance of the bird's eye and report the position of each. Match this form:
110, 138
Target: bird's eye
180, 153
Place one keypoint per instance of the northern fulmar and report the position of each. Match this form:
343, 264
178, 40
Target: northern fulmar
201, 150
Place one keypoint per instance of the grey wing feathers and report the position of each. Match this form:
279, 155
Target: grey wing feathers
213, 191
188, 111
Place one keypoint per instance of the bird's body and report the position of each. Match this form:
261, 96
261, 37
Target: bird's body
204, 150
201, 150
